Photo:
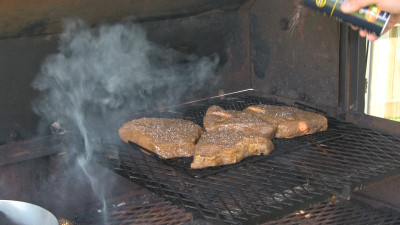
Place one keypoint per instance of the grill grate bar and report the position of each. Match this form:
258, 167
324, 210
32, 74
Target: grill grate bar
323, 170
348, 161
246, 197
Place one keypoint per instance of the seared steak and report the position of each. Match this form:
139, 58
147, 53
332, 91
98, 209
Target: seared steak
217, 118
290, 121
222, 147
166, 137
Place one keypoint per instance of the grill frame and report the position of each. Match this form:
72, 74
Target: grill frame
279, 184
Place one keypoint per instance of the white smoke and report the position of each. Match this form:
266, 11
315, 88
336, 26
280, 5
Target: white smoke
109, 72
100, 76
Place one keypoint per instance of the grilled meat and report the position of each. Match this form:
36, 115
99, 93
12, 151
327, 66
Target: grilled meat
222, 147
217, 118
290, 121
166, 137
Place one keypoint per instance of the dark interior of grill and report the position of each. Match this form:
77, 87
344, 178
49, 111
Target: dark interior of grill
59, 143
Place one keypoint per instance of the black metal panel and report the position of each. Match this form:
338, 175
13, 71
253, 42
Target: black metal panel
344, 67
353, 64
223, 34
20, 61
270, 187
358, 66
21, 18
295, 52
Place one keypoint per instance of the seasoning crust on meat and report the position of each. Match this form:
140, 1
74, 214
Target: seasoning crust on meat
169, 138
223, 147
218, 118
290, 121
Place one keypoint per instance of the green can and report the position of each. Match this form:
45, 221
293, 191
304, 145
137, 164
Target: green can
371, 18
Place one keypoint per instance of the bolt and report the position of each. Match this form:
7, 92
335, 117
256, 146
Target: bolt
14, 135
284, 23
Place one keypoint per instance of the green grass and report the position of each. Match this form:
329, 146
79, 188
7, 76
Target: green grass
395, 119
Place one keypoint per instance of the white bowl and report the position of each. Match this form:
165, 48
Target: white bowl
22, 213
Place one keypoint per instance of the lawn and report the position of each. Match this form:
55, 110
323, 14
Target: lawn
395, 119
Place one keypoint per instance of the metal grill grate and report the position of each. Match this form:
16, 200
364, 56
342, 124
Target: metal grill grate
302, 172
339, 211
145, 209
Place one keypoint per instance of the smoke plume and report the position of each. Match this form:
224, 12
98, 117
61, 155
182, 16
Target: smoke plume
100, 76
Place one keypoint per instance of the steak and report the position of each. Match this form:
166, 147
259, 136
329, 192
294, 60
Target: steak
166, 137
217, 118
290, 121
223, 147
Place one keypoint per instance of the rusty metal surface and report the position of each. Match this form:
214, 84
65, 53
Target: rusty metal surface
15, 152
20, 18
339, 211
224, 34
302, 62
373, 122
146, 208
383, 194
20, 181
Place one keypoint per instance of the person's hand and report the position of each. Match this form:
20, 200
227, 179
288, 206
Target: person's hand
391, 6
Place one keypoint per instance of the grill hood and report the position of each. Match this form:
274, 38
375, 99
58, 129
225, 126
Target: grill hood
24, 18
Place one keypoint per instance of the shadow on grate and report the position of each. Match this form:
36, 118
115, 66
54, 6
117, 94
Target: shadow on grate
303, 171
281, 146
339, 211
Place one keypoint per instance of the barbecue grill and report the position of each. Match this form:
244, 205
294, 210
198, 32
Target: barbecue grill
300, 172
265, 52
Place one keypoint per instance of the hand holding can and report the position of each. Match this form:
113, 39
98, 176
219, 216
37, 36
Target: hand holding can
363, 14
390, 6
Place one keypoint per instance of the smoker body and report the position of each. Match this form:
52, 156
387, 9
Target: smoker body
278, 48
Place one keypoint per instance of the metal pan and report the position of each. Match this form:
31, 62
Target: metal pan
22, 213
